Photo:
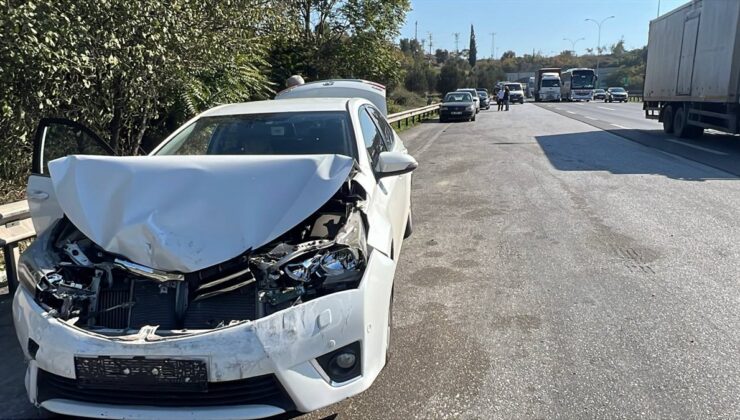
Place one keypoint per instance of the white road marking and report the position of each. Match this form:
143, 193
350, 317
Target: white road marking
592, 118
603, 107
571, 112
619, 126
693, 146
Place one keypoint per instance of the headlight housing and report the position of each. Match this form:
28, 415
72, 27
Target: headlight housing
470, 107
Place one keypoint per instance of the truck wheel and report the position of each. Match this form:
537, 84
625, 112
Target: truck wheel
668, 120
682, 128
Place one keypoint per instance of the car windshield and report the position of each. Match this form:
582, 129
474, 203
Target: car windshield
620, 90
285, 133
482, 95
514, 86
550, 83
598, 90
458, 97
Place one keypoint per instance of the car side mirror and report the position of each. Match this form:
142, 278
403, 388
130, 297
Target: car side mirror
394, 163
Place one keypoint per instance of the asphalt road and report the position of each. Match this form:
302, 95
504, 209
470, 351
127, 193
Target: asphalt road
715, 148
556, 271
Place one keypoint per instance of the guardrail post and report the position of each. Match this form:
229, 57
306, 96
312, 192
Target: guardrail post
11, 268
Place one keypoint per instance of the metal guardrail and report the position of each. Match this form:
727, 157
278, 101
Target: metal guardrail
413, 114
15, 226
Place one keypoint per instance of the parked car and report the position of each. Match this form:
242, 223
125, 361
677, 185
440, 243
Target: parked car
599, 94
457, 106
516, 92
482, 90
617, 94
485, 101
242, 270
474, 94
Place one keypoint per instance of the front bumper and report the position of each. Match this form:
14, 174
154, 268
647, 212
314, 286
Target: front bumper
284, 345
463, 115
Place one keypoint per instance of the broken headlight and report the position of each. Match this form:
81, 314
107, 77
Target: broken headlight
332, 263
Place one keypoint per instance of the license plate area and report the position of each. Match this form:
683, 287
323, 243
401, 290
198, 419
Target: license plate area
139, 373
456, 112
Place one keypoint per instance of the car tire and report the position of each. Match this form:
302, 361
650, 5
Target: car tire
668, 120
473, 119
409, 226
442, 119
389, 330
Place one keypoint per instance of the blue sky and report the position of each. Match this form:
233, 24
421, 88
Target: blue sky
523, 25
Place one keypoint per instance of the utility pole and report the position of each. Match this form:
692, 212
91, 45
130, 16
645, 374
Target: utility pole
416, 31
598, 45
430, 43
493, 44
457, 42
658, 15
573, 44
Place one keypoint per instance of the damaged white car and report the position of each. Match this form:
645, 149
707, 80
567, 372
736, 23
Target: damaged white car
243, 269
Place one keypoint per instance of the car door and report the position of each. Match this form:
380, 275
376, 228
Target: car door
397, 187
56, 138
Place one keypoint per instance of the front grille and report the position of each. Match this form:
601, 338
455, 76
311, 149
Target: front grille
265, 389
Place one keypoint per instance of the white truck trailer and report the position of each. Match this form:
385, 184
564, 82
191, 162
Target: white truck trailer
693, 68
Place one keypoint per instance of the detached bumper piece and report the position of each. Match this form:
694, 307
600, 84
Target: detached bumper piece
263, 390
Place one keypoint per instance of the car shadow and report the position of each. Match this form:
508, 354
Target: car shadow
600, 151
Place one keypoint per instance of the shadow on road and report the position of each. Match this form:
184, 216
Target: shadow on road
599, 151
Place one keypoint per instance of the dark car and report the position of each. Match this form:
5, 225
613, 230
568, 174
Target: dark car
617, 94
485, 100
457, 106
599, 94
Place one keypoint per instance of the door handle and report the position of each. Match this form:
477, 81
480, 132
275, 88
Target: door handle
38, 195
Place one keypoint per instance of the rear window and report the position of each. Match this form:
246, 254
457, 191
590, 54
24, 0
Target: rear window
287, 133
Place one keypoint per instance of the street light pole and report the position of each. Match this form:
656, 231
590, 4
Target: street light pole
573, 43
598, 45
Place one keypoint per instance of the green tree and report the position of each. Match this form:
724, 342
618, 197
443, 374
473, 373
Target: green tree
451, 76
121, 66
473, 48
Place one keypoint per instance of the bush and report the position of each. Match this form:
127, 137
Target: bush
401, 99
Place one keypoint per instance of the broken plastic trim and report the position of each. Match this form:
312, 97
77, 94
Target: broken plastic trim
150, 273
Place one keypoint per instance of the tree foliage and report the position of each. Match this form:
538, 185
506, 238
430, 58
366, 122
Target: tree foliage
134, 70
473, 48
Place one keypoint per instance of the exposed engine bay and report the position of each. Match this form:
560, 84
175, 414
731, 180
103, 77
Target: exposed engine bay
109, 294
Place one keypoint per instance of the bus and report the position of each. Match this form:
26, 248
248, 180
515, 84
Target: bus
578, 84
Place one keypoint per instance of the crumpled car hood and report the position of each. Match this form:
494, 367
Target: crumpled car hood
186, 213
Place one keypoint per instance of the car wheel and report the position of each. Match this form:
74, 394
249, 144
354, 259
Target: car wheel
442, 120
473, 119
409, 226
668, 120
388, 331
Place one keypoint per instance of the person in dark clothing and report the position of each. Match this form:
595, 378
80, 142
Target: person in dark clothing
506, 97
500, 99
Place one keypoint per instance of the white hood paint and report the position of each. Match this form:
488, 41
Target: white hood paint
185, 213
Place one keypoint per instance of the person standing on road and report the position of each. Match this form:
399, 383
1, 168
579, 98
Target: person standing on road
506, 97
500, 99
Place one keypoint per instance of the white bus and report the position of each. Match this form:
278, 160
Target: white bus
578, 84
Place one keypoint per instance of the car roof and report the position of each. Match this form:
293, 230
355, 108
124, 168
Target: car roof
339, 88
283, 105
